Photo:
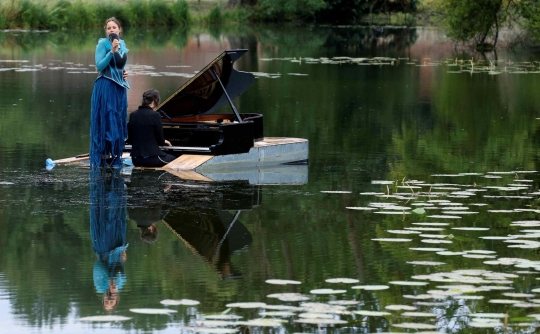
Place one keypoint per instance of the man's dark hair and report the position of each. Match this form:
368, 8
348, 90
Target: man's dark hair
149, 236
150, 96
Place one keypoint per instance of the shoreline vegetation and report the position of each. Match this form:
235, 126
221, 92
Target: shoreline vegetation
76, 14
478, 24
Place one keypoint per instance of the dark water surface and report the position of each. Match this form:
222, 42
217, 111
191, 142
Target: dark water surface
409, 119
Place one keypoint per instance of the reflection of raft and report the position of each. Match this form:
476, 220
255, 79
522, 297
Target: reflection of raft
213, 235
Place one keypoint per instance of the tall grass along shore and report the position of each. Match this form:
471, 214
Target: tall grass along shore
66, 14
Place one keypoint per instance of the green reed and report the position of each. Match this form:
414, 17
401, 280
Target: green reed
65, 14
215, 16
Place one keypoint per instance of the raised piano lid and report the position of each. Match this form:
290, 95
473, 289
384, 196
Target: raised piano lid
203, 94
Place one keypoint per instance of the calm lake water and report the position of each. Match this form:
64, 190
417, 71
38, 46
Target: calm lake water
457, 145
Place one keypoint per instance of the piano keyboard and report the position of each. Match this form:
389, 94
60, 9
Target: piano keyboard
179, 148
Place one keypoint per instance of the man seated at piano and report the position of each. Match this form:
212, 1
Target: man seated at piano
145, 134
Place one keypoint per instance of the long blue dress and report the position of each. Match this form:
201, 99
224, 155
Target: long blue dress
108, 130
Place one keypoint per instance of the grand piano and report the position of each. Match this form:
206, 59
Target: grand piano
188, 119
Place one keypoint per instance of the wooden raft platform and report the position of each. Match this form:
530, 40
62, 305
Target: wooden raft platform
268, 152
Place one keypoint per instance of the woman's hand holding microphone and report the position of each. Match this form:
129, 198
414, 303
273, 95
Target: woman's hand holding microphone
115, 45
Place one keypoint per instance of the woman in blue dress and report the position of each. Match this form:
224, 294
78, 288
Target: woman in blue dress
108, 130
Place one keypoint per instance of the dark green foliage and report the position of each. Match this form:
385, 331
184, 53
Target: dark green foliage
139, 12
215, 16
287, 10
32, 15
111, 9
328, 11
3, 17
66, 14
160, 13
530, 10
479, 20
180, 14
351, 11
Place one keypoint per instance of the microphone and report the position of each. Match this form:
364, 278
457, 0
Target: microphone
163, 114
113, 36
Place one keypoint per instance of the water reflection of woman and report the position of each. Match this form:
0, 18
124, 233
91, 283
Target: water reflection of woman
108, 231
108, 130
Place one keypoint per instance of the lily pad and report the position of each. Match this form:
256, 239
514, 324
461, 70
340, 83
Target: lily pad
372, 313
468, 297
342, 280
278, 314
321, 321
335, 192
222, 317
488, 315
152, 310
436, 241
173, 302
432, 229
343, 302
289, 297
282, 281
411, 325
448, 253
518, 295
485, 324
104, 318
213, 323
211, 330
403, 232
503, 301
370, 287
327, 291
261, 322
283, 307
400, 308
247, 305
381, 182
418, 314
316, 316
426, 263
408, 283
471, 228
432, 224
428, 249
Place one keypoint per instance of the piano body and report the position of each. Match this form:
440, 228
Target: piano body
193, 129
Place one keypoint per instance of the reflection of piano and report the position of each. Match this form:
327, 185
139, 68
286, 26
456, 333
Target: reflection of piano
211, 234
190, 128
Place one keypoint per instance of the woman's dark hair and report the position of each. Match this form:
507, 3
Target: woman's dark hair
150, 96
115, 20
